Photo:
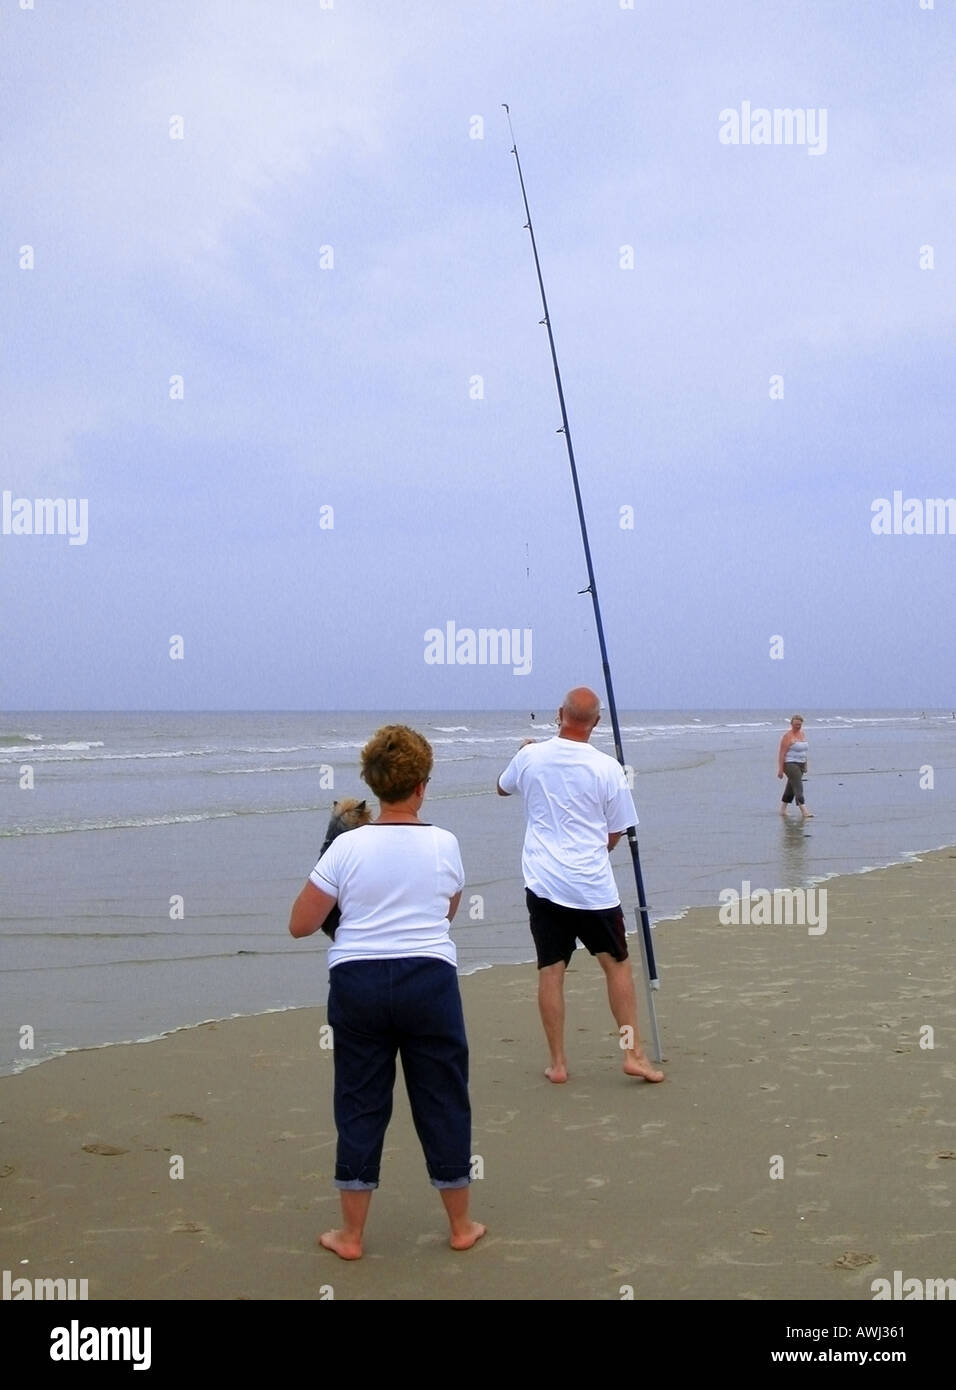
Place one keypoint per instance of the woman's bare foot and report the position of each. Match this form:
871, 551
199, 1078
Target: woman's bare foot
464, 1232
346, 1246
637, 1064
558, 1074
466, 1238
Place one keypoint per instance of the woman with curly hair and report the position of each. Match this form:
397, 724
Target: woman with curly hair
393, 988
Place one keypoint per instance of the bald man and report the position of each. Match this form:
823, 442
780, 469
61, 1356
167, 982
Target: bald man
578, 806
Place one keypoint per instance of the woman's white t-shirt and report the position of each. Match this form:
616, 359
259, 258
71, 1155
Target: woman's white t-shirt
392, 883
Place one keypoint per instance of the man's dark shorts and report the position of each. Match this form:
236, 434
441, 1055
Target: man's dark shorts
556, 929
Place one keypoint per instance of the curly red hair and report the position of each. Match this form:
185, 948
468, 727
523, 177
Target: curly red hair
395, 760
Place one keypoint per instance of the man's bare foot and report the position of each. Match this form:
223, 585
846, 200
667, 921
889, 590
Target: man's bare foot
556, 1074
464, 1240
344, 1245
783, 810
637, 1064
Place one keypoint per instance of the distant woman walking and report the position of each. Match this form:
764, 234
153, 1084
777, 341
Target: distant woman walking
792, 764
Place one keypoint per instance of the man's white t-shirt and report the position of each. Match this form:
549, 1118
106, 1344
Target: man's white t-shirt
392, 883
575, 796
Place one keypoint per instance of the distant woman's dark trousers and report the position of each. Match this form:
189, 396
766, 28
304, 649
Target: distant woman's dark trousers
794, 775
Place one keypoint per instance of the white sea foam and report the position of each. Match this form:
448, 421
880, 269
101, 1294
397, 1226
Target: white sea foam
22, 1065
36, 746
142, 822
276, 767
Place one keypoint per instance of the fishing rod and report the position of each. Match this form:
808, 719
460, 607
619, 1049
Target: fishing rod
647, 944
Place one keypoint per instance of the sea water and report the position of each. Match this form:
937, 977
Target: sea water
146, 877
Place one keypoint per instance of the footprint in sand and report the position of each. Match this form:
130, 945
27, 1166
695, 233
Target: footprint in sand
187, 1228
187, 1115
107, 1150
931, 1189
499, 1121
853, 1259
6, 1169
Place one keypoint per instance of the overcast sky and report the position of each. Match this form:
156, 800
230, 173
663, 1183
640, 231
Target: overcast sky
329, 260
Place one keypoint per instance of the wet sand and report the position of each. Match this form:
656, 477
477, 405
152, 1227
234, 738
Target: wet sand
784, 1051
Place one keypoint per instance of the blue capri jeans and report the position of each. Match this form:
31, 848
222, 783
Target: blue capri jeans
409, 1006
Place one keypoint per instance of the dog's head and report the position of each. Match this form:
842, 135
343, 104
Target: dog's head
347, 814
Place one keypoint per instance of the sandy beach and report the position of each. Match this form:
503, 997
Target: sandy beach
785, 1051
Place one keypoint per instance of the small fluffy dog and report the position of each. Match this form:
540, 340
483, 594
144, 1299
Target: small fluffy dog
347, 814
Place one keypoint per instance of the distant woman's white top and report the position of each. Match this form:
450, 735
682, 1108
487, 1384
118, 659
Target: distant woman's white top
797, 752
392, 883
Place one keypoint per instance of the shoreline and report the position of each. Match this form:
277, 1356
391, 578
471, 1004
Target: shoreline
27, 1064
778, 1045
